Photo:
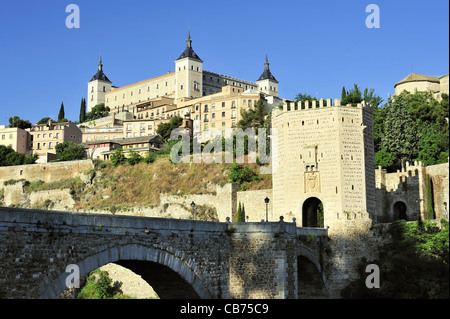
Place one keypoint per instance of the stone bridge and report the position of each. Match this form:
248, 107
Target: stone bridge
179, 258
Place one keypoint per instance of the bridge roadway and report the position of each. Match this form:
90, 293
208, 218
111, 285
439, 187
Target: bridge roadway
181, 258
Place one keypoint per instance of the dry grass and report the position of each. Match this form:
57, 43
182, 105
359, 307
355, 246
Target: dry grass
140, 185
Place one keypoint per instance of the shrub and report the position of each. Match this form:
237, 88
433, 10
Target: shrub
240, 174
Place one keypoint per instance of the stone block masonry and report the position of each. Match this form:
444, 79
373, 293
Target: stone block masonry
218, 260
49, 172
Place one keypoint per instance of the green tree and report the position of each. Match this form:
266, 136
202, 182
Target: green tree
117, 158
386, 160
240, 174
98, 286
61, 114
353, 96
18, 122
413, 265
164, 129
379, 114
429, 198
9, 157
134, 158
343, 94
69, 151
98, 111
253, 118
44, 120
239, 215
400, 134
373, 100
83, 110
300, 97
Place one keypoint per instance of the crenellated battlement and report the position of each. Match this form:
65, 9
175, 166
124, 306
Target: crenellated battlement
319, 104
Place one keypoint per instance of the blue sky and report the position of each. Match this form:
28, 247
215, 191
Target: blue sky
314, 47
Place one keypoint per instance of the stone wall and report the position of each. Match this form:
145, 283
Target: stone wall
439, 176
49, 172
408, 186
255, 207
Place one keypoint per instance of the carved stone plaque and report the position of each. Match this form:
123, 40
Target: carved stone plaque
312, 182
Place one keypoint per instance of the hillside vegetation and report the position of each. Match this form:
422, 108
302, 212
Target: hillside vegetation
127, 186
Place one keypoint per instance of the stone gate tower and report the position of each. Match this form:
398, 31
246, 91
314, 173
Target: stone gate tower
324, 155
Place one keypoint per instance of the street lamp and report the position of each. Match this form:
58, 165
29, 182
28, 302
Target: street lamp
266, 200
193, 209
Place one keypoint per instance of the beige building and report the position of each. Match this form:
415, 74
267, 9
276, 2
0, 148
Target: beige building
17, 138
106, 128
45, 137
418, 82
210, 99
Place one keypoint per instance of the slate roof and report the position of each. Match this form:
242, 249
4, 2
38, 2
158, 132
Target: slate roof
266, 73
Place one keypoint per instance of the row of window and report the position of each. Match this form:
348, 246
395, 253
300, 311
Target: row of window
4, 136
206, 125
50, 135
142, 127
213, 115
44, 145
233, 105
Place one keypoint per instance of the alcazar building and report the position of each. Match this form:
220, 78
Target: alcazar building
210, 99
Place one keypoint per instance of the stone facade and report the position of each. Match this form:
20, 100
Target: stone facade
48, 172
418, 82
402, 194
15, 137
324, 153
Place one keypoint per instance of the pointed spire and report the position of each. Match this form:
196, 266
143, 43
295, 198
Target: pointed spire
188, 51
100, 64
266, 73
266, 63
189, 41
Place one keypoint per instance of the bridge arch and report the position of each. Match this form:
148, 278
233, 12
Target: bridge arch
174, 260
311, 279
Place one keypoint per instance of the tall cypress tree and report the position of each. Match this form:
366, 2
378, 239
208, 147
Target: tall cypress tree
239, 216
61, 114
430, 209
83, 110
343, 96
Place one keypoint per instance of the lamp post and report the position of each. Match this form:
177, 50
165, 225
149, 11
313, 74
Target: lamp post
266, 200
445, 210
193, 209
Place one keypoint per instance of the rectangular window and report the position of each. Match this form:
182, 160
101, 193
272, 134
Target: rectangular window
223, 114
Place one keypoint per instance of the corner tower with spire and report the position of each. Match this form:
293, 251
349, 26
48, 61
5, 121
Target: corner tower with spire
98, 86
188, 73
267, 82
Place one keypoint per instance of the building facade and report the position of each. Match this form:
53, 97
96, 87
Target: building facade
419, 82
17, 138
211, 100
45, 137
